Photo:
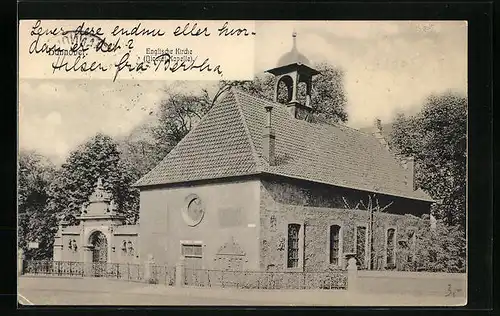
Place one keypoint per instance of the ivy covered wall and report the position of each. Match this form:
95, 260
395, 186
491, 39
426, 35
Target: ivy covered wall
316, 208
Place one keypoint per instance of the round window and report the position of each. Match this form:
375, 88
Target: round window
193, 213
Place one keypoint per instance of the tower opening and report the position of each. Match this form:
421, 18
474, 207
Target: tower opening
293, 85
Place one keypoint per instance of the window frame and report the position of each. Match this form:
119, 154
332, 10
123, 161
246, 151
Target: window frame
365, 226
341, 244
188, 243
300, 263
386, 246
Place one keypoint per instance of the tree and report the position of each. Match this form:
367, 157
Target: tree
442, 249
139, 151
179, 112
329, 98
436, 137
97, 158
34, 221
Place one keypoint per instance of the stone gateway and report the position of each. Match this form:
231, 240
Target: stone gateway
100, 237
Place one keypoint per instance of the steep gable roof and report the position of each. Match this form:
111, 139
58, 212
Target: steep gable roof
386, 131
217, 147
228, 142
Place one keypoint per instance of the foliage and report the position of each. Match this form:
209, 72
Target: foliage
97, 158
153, 280
329, 98
436, 137
328, 95
178, 114
442, 249
261, 86
138, 155
35, 175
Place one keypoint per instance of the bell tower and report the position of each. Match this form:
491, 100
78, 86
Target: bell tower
294, 71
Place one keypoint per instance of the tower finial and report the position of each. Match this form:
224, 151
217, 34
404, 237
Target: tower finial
294, 36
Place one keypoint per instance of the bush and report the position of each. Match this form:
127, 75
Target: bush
442, 249
153, 281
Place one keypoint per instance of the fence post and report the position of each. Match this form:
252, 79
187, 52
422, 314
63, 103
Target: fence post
179, 272
20, 257
148, 265
352, 275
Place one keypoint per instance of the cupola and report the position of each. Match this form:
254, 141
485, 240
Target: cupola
294, 72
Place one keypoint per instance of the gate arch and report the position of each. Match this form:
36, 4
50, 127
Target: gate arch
99, 244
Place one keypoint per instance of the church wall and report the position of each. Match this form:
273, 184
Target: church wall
231, 212
284, 202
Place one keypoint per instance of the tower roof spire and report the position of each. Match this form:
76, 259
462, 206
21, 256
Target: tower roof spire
293, 57
292, 69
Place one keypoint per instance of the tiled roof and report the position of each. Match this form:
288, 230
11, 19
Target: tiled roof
228, 142
386, 130
217, 147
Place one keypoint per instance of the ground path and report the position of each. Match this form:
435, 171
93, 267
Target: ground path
92, 291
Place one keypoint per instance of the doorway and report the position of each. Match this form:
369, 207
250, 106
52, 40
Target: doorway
99, 244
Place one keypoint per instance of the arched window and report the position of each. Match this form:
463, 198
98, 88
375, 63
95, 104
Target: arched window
293, 245
361, 245
284, 89
391, 247
334, 244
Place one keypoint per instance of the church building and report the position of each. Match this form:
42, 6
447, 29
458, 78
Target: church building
256, 186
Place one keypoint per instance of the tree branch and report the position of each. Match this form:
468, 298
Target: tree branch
363, 204
345, 203
385, 207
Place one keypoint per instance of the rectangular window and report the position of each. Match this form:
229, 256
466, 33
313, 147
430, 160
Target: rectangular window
193, 251
361, 244
334, 244
193, 254
391, 247
293, 245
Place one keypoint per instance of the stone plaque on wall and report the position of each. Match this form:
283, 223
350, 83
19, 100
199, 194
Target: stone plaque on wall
230, 217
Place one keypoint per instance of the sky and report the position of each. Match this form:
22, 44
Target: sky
390, 66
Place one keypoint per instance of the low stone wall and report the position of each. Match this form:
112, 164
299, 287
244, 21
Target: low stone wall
416, 283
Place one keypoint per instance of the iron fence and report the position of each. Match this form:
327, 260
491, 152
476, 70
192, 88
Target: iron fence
122, 271
162, 274
266, 280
